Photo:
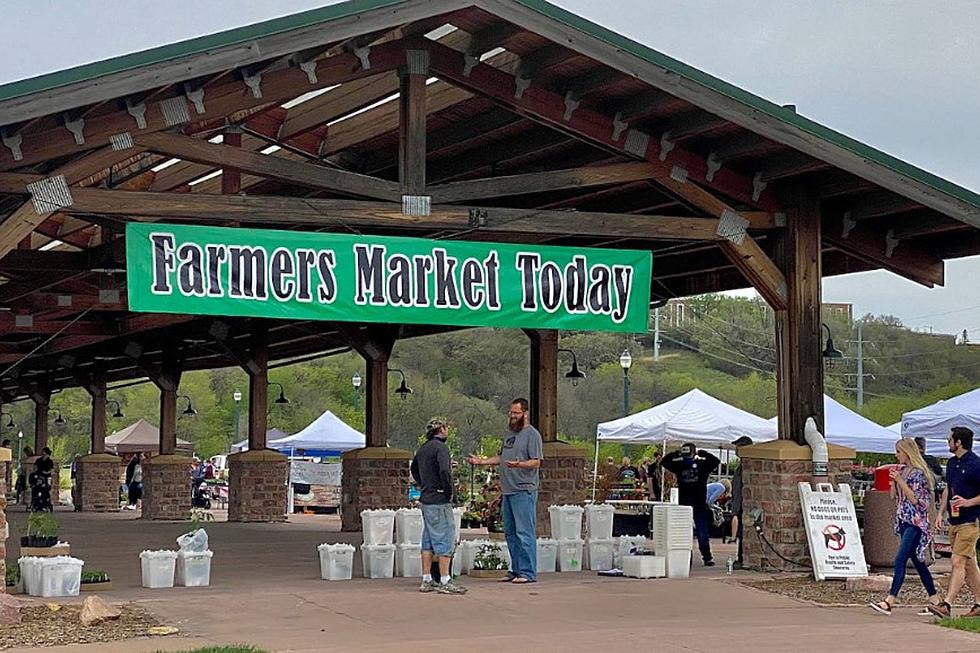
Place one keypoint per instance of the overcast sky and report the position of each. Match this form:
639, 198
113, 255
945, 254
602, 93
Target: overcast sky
901, 76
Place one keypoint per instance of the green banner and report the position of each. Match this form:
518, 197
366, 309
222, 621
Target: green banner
299, 275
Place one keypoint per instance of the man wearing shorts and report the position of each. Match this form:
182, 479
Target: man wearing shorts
432, 471
961, 499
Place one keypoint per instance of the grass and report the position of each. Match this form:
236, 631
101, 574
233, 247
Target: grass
224, 649
968, 624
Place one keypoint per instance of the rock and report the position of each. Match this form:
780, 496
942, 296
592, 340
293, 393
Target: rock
10, 610
95, 610
162, 630
877, 583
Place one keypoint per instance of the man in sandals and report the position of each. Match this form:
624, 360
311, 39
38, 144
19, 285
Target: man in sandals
961, 499
519, 460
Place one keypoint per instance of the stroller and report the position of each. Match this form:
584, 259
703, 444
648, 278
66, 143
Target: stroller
40, 485
202, 496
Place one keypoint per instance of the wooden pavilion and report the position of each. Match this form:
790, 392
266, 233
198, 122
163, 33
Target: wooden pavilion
495, 120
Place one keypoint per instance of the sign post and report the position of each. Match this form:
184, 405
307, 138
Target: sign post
832, 531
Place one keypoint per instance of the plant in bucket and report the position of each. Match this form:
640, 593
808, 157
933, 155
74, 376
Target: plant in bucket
488, 563
42, 530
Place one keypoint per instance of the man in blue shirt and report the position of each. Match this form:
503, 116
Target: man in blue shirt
961, 499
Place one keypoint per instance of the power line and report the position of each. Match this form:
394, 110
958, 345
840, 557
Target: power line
730, 351
722, 358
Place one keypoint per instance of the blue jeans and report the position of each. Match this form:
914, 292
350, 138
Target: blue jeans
520, 530
906, 550
702, 527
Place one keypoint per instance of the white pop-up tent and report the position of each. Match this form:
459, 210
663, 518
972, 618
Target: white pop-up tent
849, 429
270, 435
934, 422
327, 435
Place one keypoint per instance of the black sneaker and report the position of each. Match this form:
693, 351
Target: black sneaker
709, 563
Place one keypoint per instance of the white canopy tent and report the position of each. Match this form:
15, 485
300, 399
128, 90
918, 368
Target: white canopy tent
270, 435
934, 422
326, 435
849, 429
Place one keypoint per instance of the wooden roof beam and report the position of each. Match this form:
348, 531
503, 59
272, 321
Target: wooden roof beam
884, 250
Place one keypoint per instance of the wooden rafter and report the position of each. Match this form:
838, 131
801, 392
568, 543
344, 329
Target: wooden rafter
902, 258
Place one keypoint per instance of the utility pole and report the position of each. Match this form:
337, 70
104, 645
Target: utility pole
656, 335
860, 366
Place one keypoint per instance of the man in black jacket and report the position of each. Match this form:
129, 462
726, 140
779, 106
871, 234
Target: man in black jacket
693, 468
432, 471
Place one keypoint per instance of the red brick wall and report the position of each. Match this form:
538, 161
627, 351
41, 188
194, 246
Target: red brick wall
370, 484
167, 487
563, 480
257, 487
97, 483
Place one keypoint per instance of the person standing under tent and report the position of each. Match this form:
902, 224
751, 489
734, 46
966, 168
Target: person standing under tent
433, 474
628, 471
912, 488
519, 461
961, 499
693, 467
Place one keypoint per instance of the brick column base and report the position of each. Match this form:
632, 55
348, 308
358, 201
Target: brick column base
770, 474
257, 486
373, 478
563, 480
167, 487
97, 482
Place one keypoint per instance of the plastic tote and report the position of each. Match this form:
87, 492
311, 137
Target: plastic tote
547, 555
679, 563
458, 523
644, 566
566, 522
193, 568
408, 560
408, 526
378, 560
61, 576
30, 574
599, 554
599, 521
672, 527
158, 568
570, 555
336, 561
378, 526
627, 545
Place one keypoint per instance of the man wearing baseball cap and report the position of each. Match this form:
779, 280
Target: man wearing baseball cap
432, 471
693, 467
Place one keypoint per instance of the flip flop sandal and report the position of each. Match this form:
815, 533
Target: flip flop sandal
509, 578
884, 607
520, 580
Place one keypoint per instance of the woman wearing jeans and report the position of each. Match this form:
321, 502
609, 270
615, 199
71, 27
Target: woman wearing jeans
912, 486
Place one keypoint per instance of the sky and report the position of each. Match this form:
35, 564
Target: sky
898, 75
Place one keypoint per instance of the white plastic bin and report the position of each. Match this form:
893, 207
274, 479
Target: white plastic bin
408, 526
628, 544
336, 561
193, 569
30, 574
61, 576
458, 523
547, 555
378, 560
457, 569
566, 522
408, 560
504, 552
678, 563
599, 521
469, 549
644, 566
378, 526
159, 568
599, 554
570, 555
672, 527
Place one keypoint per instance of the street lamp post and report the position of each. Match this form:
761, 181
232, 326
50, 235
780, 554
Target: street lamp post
626, 361
356, 382
20, 448
238, 416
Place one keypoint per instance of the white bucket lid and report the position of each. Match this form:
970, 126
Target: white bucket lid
383, 512
339, 546
159, 554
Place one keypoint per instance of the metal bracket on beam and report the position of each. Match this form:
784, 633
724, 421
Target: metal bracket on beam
196, 96
254, 83
666, 145
138, 111
64, 301
122, 141
637, 143
417, 62
109, 296
77, 129
521, 84
50, 194
678, 174
420, 205
849, 225
363, 54
731, 226
891, 243
309, 67
618, 126
13, 142
758, 185
175, 111
469, 63
478, 217
571, 104
714, 165
779, 219
24, 321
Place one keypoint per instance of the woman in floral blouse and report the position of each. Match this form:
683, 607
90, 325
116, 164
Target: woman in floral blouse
913, 490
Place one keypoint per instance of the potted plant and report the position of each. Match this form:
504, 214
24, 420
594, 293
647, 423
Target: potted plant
95, 580
12, 577
494, 519
488, 564
42, 530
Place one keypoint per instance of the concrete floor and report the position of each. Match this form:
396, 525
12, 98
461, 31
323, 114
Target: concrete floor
266, 592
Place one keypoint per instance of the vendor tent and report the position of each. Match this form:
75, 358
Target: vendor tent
844, 427
270, 435
327, 435
144, 437
693, 417
934, 422
895, 428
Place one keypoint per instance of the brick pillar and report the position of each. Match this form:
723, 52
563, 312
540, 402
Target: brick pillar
257, 486
770, 475
167, 487
373, 477
97, 482
563, 480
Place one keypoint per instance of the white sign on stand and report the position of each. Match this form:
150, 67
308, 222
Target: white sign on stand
832, 531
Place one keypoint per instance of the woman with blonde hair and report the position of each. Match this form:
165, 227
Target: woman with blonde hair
912, 487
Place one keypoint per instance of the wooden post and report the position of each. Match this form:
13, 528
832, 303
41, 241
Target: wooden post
42, 404
799, 360
544, 382
411, 126
231, 178
168, 381
258, 393
376, 402
96, 388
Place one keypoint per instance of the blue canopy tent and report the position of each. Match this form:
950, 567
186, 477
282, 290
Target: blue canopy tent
326, 436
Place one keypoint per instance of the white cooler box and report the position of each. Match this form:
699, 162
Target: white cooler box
644, 566
193, 569
408, 560
378, 526
547, 555
599, 554
599, 521
570, 555
336, 561
158, 568
378, 560
566, 522
408, 526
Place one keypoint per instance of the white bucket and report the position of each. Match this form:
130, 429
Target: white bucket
193, 569
378, 526
408, 526
158, 568
599, 555
378, 560
458, 523
566, 522
61, 576
599, 521
678, 563
570, 555
547, 555
408, 560
336, 561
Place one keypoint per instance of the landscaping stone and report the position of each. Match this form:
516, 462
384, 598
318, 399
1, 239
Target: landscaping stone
10, 610
95, 610
877, 583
